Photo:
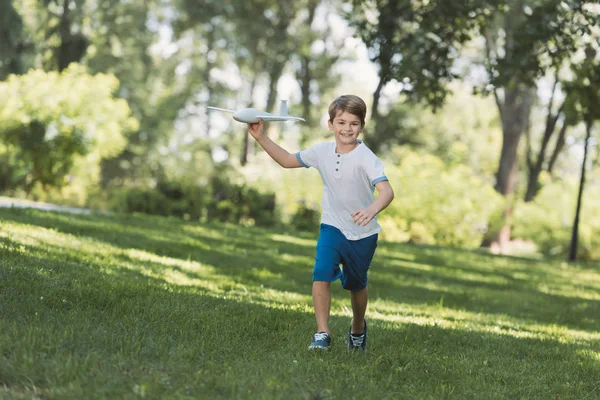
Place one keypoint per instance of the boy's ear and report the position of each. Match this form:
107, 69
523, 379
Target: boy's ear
330, 125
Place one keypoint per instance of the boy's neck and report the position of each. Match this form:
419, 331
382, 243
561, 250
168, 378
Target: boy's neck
346, 148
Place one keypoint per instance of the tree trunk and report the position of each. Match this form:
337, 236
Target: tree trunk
376, 97
245, 148
304, 74
560, 143
65, 36
514, 111
575, 232
533, 182
210, 40
371, 137
274, 75
246, 138
305, 78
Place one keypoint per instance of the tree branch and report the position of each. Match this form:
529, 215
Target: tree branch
560, 143
551, 102
529, 150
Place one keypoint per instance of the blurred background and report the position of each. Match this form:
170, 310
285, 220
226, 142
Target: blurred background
485, 113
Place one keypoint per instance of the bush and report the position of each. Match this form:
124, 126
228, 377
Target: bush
168, 198
237, 203
436, 203
305, 218
185, 201
143, 200
548, 220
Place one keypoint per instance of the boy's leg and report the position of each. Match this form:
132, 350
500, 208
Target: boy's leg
321, 293
325, 271
356, 267
359, 307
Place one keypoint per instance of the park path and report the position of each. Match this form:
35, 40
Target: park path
8, 202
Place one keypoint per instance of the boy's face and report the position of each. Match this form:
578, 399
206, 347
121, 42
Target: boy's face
346, 127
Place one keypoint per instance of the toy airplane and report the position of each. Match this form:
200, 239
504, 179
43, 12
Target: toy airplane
252, 115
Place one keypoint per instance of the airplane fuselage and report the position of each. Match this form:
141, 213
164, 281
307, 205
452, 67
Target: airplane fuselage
250, 115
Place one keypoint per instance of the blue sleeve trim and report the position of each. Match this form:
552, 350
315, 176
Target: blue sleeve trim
300, 161
380, 179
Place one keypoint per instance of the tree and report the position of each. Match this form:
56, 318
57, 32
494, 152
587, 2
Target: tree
43, 127
258, 41
58, 35
11, 40
417, 43
568, 30
315, 51
535, 167
114, 37
121, 39
584, 90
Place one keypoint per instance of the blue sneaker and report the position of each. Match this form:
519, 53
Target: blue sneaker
357, 341
321, 340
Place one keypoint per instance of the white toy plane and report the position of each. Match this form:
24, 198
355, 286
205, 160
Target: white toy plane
252, 115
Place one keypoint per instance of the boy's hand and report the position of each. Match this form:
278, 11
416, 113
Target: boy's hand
363, 217
257, 129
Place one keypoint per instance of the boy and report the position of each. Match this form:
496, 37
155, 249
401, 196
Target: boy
349, 229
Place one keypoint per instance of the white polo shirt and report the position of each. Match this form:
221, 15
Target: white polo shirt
348, 185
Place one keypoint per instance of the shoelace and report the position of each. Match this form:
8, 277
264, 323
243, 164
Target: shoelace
357, 341
321, 336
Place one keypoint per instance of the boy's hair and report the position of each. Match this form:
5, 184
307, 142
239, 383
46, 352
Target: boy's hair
351, 104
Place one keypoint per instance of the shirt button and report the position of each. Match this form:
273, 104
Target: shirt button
338, 162
337, 169
338, 155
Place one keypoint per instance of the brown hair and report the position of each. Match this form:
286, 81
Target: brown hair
351, 104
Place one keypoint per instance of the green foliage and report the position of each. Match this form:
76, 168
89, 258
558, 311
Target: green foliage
11, 40
144, 200
220, 200
239, 203
544, 35
436, 203
305, 218
47, 120
168, 198
548, 220
416, 42
583, 93
454, 133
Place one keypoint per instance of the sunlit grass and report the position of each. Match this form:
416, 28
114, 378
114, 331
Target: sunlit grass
136, 306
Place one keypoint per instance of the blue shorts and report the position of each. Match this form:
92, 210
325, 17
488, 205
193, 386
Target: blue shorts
355, 256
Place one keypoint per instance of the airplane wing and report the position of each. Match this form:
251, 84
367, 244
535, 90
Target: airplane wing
220, 109
268, 118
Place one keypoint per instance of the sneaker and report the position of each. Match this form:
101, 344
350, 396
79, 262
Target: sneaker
321, 340
357, 341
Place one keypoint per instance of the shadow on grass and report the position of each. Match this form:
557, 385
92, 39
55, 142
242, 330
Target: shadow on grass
462, 280
484, 283
119, 327
242, 253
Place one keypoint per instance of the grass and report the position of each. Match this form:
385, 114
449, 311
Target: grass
144, 307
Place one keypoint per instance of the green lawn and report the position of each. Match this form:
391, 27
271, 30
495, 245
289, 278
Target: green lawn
144, 307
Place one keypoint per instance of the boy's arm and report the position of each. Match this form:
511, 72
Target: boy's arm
385, 197
277, 153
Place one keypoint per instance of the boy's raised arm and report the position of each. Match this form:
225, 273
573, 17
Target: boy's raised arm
277, 153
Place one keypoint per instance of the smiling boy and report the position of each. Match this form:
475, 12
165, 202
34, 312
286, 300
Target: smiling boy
348, 234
